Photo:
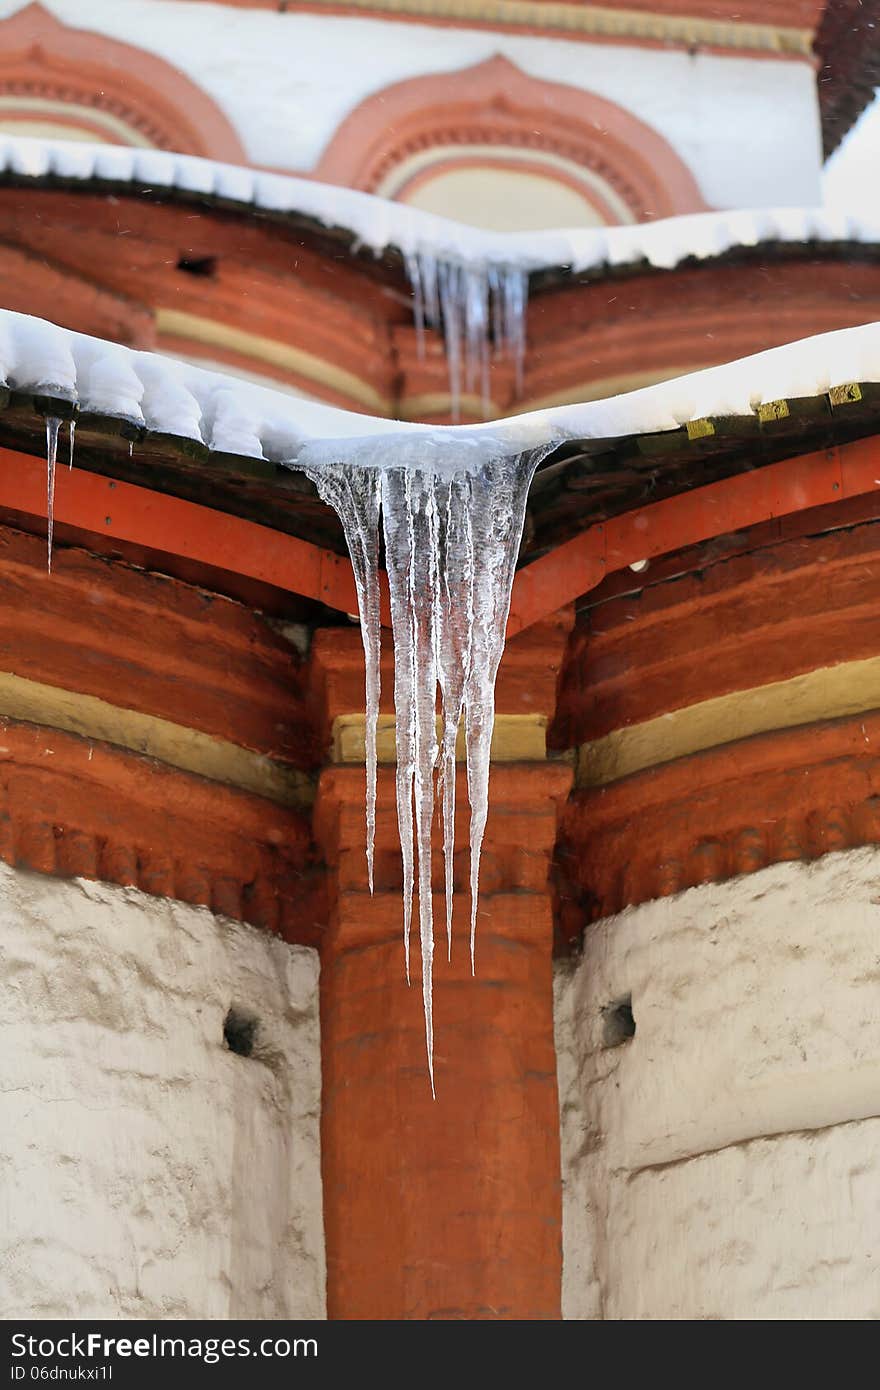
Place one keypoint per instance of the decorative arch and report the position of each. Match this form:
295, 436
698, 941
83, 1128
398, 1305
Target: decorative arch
99, 89
617, 157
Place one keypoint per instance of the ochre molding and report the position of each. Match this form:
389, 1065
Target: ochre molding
216, 759
516, 738
828, 693
496, 103
42, 59
664, 24
270, 353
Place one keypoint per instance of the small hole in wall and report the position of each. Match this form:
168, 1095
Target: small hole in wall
618, 1023
198, 265
239, 1032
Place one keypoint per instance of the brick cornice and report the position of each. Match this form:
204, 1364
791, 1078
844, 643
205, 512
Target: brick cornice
795, 794
155, 646
735, 625
74, 807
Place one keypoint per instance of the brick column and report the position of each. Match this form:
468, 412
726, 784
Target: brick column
446, 1208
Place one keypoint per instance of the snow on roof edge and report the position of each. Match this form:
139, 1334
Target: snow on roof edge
230, 416
378, 223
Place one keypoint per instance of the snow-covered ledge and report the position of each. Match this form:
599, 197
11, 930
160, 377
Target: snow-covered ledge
154, 1173
720, 1161
228, 415
379, 223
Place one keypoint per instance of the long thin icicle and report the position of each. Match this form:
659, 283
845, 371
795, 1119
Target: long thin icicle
454, 628
497, 517
53, 424
353, 493
398, 543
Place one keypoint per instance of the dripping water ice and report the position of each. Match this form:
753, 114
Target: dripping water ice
53, 424
451, 539
473, 304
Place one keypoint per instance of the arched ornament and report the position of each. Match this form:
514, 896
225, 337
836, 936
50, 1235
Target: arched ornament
100, 89
495, 104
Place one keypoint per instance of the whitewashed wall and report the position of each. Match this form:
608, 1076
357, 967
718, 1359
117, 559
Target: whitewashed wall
748, 128
725, 1161
147, 1171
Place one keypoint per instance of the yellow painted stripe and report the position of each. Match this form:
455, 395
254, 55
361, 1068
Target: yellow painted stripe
516, 738
177, 324
603, 22
431, 403
188, 749
832, 692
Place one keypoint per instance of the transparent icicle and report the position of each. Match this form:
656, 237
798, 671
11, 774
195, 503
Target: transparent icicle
514, 295
472, 304
53, 424
353, 493
72, 433
451, 545
454, 627
450, 279
497, 515
409, 514
398, 544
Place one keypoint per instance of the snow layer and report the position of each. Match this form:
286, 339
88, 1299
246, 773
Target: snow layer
233, 416
747, 125
379, 223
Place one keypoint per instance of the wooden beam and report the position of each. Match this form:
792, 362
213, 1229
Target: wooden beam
779, 489
167, 524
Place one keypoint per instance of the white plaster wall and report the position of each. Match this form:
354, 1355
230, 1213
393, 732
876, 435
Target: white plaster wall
748, 128
725, 1161
147, 1171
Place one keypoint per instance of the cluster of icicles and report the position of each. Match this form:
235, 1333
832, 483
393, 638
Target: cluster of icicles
473, 305
451, 544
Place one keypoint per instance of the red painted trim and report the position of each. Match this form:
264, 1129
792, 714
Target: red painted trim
170, 525
795, 485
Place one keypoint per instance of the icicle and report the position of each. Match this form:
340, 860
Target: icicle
466, 302
354, 495
53, 424
514, 293
398, 544
72, 433
131, 448
497, 515
449, 278
414, 271
451, 544
410, 519
453, 650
